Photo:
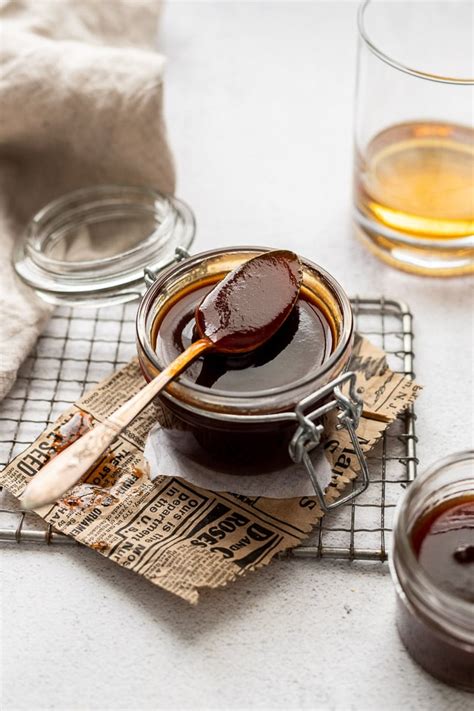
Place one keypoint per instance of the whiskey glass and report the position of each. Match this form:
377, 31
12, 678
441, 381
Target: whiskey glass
414, 137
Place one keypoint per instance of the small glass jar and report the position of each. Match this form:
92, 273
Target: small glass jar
436, 626
257, 427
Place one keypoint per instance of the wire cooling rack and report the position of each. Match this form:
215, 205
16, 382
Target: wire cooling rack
80, 347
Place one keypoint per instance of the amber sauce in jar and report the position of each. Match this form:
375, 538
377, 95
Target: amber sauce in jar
443, 541
432, 565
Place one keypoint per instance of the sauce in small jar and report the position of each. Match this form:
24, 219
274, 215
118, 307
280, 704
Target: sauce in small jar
432, 566
443, 541
230, 404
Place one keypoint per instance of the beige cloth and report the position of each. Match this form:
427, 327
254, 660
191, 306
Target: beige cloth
81, 101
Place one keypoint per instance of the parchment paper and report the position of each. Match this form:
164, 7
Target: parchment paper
289, 481
179, 535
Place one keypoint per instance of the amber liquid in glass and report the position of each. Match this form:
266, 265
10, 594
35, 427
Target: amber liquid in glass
417, 179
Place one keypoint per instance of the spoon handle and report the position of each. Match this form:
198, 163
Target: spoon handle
67, 467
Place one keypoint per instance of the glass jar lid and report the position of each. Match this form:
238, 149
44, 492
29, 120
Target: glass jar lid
92, 246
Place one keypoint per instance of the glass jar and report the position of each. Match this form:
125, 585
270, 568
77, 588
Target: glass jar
90, 247
436, 626
413, 135
264, 427
107, 244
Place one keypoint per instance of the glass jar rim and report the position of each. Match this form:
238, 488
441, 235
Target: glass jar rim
251, 397
396, 64
424, 593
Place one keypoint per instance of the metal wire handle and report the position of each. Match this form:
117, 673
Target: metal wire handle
308, 434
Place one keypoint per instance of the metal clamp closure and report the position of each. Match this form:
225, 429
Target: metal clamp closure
308, 433
179, 254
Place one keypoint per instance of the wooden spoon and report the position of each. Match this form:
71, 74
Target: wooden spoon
241, 312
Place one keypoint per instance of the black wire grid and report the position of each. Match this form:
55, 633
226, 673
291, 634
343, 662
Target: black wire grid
81, 347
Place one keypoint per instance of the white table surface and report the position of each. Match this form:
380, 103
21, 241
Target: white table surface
259, 106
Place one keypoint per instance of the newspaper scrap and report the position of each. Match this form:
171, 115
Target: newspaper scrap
178, 535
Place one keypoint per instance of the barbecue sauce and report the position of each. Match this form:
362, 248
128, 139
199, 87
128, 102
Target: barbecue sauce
250, 305
443, 541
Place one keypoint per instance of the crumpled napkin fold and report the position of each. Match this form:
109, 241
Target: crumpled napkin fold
81, 103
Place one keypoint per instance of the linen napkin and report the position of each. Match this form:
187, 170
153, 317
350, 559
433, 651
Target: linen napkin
81, 103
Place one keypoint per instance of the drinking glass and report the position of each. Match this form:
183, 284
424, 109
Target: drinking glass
414, 137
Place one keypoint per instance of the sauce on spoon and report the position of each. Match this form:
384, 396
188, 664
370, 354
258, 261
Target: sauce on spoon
251, 303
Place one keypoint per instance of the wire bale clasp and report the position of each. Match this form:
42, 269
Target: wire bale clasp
309, 432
